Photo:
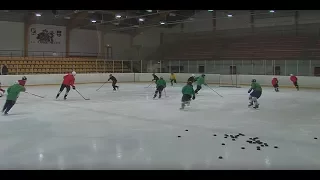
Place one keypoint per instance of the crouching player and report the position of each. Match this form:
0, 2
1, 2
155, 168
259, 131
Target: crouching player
2, 91
294, 80
13, 93
200, 81
275, 84
161, 84
68, 80
173, 79
114, 82
188, 93
255, 94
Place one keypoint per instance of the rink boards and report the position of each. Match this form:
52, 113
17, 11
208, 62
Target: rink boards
264, 80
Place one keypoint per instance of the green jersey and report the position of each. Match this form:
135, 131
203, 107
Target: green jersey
161, 82
200, 80
14, 91
188, 89
256, 86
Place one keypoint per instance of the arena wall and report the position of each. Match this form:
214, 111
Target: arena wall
12, 38
85, 42
119, 42
55, 79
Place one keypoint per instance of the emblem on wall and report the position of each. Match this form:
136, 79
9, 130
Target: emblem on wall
45, 36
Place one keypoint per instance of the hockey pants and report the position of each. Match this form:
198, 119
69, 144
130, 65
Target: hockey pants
158, 90
173, 81
8, 105
62, 88
198, 89
296, 85
114, 85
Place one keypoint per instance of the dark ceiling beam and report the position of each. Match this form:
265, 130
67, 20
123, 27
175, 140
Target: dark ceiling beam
74, 21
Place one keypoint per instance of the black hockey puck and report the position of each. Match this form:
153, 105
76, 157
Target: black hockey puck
226, 134
242, 147
259, 142
233, 139
214, 135
258, 149
226, 137
220, 157
179, 136
265, 144
186, 130
276, 147
223, 144
241, 134
262, 145
249, 142
315, 138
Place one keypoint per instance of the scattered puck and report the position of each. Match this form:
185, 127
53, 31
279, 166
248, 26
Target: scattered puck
259, 142
179, 136
226, 137
241, 134
315, 138
220, 157
258, 149
251, 138
223, 144
242, 147
233, 139
226, 134
265, 144
186, 130
276, 147
214, 135
250, 142
254, 143
262, 145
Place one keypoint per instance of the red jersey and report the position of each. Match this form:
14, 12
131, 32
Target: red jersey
274, 81
68, 80
293, 79
22, 82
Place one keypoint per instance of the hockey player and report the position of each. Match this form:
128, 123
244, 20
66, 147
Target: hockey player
188, 93
13, 93
161, 84
255, 94
2, 91
23, 81
294, 80
192, 78
200, 81
114, 82
68, 80
173, 79
275, 84
155, 77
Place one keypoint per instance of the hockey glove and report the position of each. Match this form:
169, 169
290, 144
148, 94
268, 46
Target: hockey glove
194, 97
250, 90
73, 87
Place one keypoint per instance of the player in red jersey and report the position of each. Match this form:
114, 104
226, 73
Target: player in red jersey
68, 80
275, 84
23, 81
2, 91
294, 80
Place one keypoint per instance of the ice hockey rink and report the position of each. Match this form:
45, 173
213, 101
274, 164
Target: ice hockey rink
129, 130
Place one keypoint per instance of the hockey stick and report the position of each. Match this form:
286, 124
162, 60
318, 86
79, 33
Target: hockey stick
35, 95
165, 94
214, 91
101, 86
149, 85
81, 95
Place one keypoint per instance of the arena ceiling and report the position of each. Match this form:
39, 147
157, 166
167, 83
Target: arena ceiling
126, 21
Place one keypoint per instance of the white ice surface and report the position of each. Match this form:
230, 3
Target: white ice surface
129, 130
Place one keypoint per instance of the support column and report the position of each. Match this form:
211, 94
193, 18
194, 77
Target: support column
67, 41
252, 20
214, 20
26, 38
296, 21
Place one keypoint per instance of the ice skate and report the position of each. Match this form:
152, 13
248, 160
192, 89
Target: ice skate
250, 104
182, 106
188, 103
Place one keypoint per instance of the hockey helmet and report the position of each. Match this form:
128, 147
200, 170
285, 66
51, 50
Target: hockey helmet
189, 82
253, 80
110, 75
291, 74
193, 75
24, 78
161, 77
203, 75
73, 73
